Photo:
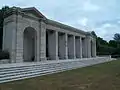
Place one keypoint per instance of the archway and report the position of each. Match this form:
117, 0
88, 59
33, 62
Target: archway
29, 44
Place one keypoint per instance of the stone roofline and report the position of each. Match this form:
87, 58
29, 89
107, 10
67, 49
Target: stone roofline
40, 16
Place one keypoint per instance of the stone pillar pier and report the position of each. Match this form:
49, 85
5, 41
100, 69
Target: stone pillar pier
42, 45
53, 45
66, 46
71, 47
61, 45
77, 46
74, 51
81, 47
56, 48
37, 47
9, 36
19, 40
19, 47
93, 48
88, 47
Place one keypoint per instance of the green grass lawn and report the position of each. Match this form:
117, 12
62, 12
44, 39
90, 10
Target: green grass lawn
98, 77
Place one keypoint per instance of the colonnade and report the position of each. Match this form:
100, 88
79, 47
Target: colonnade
61, 45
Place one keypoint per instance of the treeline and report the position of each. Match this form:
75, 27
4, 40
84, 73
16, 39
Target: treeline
2, 12
107, 48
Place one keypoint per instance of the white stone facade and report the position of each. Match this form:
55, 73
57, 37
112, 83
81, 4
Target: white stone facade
30, 36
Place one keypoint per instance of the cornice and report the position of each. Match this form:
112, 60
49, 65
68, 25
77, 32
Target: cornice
18, 11
57, 24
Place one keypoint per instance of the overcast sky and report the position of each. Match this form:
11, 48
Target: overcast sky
102, 16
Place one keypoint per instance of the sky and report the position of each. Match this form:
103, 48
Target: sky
101, 16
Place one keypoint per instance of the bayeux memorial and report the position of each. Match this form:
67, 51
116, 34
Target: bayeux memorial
40, 46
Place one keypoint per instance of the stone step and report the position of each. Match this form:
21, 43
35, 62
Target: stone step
32, 70
13, 69
28, 69
33, 75
4, 74
35, 72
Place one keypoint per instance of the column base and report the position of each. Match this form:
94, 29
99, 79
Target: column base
66, 57
43, 59
56, 58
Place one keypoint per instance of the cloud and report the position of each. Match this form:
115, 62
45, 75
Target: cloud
89, 6
118, 22
107, 31
106, 25
102, 15
83, 21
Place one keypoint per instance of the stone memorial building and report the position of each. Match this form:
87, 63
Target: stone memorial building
31, 37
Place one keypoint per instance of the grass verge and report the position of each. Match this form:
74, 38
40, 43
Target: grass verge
98, 77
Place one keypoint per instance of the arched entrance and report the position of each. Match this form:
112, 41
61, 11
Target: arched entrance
29, 44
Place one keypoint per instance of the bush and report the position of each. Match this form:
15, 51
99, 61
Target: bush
4, 55
105, 50
115, 56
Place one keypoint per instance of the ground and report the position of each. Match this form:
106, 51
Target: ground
98, 77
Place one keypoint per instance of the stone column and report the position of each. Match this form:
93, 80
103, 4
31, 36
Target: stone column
9, 36
62, 45
71, 47
94, 48
53, 45
19, 46
83, 47
37, 46
80, 47
13, 50
74, 50
77, 46
66, 45
56, 45
4, 35
88, 47
12, 38
19, 40
42, 38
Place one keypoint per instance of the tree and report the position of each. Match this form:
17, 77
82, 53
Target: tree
94, 34
117, 37
101, 41
2, 12
113, 43
102, 45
